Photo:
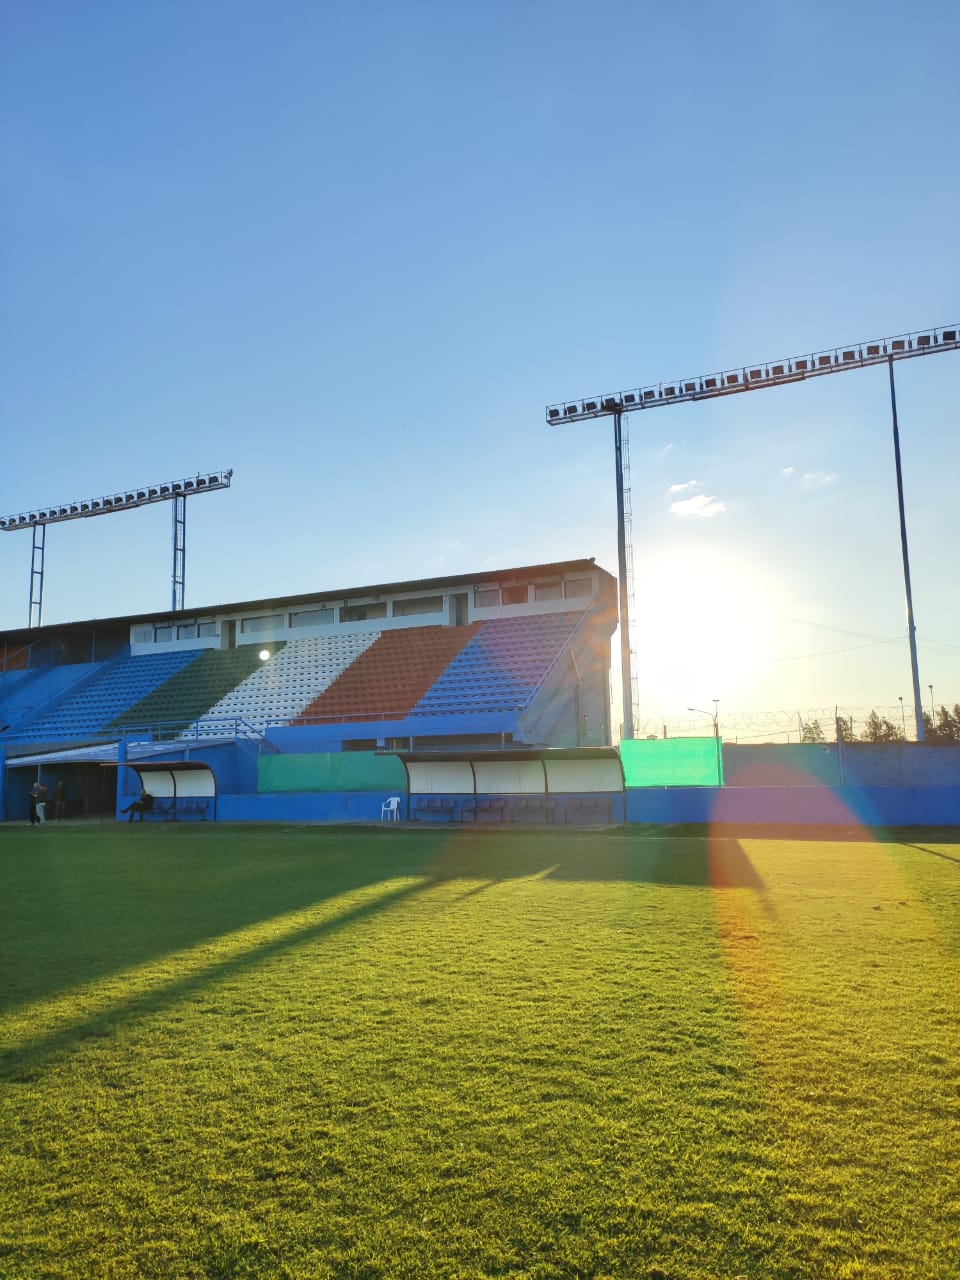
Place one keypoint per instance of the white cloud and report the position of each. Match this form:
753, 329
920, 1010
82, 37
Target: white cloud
702, 506
818, 479
662, 453
788, 471
680, 488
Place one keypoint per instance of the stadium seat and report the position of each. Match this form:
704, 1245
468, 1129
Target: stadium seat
100, 700
501, 666
391, 676
282, 688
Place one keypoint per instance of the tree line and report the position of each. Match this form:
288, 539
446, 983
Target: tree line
944, 730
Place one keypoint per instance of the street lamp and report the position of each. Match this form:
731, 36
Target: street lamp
715, 717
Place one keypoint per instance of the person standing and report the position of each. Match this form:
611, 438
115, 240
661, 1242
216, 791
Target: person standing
59, 800
39, 792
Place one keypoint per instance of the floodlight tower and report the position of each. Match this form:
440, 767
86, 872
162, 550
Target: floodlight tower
175, 491
884, 351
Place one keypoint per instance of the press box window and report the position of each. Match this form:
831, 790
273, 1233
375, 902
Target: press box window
269, 622
312, 618
188, 631
207, 629
362, 612
423, 604
486, 597
515, 595
163, 633
578, 587
548, 591
143, 635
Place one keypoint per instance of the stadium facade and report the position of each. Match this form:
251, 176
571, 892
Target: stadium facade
473, 699
500, 660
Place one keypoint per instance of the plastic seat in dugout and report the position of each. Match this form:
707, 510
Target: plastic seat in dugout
390, 810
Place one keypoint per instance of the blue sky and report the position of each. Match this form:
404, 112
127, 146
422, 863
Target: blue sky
352, 251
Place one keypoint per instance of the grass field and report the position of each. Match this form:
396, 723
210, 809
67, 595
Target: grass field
294, 1052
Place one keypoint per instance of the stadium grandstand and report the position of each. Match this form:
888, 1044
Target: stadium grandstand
496, 661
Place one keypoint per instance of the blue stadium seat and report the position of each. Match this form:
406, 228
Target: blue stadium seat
117, 686
500, 668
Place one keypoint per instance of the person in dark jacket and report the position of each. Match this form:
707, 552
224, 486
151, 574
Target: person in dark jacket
143, 804
38, 813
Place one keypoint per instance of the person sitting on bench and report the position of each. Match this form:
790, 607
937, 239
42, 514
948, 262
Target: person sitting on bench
143, 804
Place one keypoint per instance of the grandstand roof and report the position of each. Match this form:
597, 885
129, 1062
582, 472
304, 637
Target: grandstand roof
21, 635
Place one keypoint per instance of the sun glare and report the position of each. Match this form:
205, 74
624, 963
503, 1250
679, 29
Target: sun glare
704, 627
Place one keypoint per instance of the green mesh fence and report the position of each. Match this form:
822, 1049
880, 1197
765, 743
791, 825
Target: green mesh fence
331, 771
671, 762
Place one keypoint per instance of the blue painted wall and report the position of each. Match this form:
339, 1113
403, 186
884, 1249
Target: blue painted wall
895, 764
862, 764
807, 806
797, 765
357, 806
850, 808
293, 806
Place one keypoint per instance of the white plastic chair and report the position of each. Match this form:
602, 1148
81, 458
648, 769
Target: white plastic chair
390, 810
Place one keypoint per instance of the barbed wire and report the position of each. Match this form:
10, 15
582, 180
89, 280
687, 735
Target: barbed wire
757, 724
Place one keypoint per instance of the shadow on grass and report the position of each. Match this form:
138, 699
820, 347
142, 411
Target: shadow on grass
619, 855
852, 834
83, 905
22, 1063
934, 853
210, 889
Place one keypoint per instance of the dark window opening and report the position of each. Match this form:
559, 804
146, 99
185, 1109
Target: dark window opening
362, 612
515, 595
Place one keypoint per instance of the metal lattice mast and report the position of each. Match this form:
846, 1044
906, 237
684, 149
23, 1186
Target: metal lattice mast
179, 551
625, 663
625, 554
36, 574
631, 593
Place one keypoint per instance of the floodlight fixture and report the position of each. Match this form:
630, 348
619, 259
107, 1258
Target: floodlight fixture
752, 377
125, 500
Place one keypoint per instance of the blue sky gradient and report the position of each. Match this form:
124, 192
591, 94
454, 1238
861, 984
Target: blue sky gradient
352, 251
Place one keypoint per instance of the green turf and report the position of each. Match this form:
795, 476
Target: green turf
291, 1052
